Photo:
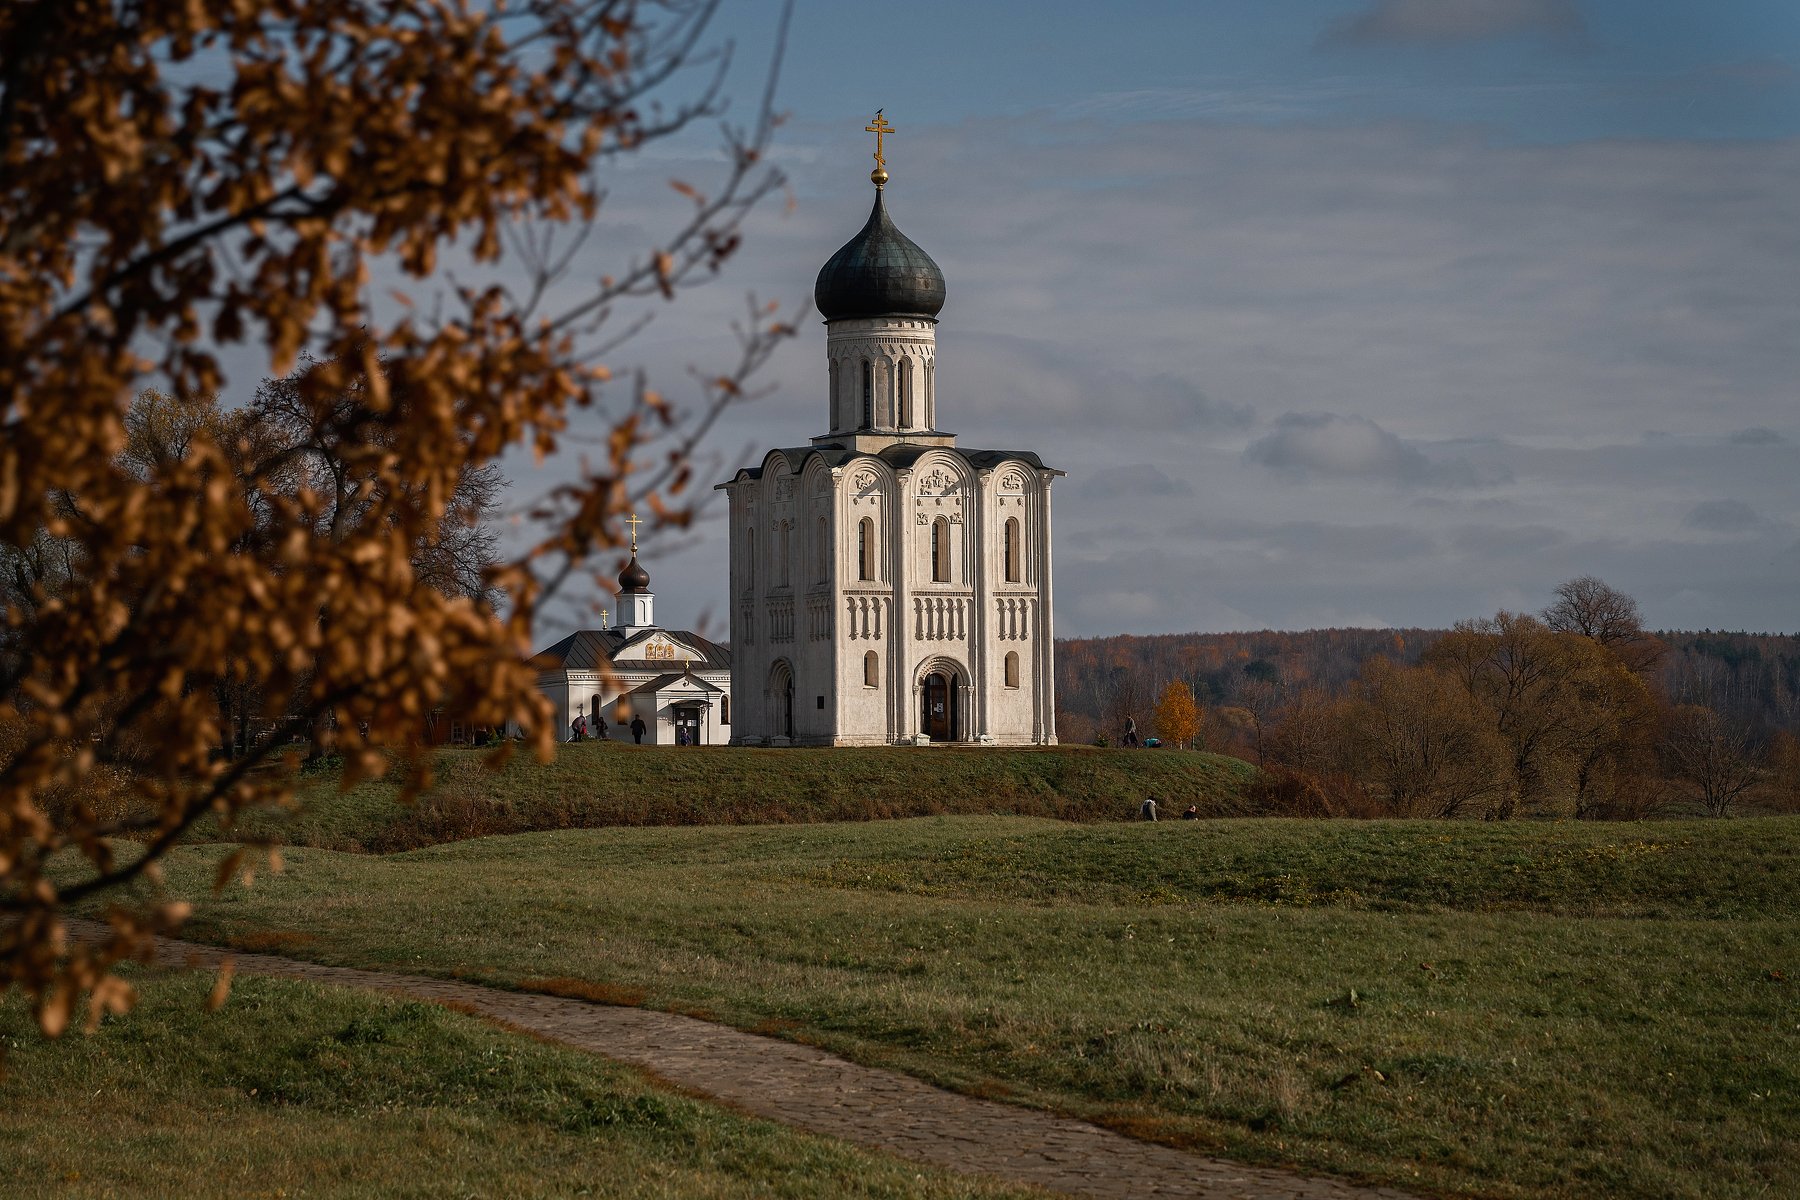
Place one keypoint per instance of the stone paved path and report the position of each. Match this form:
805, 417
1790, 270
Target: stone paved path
808, 1088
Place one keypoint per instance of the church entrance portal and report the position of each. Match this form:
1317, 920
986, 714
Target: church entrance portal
937, 714
780, 698
687, 727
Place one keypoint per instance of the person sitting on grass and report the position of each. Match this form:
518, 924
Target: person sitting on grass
1192, 813
1148, 811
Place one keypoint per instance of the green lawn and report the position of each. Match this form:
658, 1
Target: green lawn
298, 1090
1519, 1009
608, 783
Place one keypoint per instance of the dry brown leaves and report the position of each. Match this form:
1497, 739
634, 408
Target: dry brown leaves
176, 175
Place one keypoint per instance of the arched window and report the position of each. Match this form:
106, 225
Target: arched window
750, 560
871, 669
724, 710
865, 549
1012, 669
1012, 549
868, 421
940, 551
784, 554
906, 393
822, 551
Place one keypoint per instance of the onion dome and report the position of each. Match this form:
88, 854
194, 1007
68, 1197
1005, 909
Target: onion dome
633, 578
880, 272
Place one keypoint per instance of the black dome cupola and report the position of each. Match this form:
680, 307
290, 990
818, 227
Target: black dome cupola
633, 578
879, 273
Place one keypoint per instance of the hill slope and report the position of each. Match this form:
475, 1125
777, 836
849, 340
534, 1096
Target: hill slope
608, 783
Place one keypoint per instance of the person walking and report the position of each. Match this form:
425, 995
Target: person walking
1131, 734
637, 730
1148, 812
600, 729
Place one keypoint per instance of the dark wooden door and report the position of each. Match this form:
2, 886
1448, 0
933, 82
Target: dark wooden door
937, 717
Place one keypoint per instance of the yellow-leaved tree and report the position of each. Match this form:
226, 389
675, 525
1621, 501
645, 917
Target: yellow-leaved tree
1177, 716
182, 176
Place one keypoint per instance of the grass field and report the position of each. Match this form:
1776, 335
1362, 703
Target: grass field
294, 1089
611, 783
1521, 1009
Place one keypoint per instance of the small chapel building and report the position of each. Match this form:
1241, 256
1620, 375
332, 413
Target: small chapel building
676, 680
888, 586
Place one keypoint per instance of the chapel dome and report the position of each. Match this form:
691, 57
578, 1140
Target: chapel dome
633, 578
879, 272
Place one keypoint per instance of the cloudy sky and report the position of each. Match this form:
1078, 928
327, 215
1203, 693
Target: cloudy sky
1336, 312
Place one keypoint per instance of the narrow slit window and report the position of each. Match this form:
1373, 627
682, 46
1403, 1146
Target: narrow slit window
1012, 669
871, 669
940, 551
906, 393
865, 549
1012, 549
868, 390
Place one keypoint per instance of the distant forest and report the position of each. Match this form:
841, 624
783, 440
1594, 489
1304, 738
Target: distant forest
1753, 679
1574, 711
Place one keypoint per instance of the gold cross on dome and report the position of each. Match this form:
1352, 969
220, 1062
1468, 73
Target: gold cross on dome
880, 128
634, 523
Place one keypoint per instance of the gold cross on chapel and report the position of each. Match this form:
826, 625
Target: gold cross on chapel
634, 523
880, 128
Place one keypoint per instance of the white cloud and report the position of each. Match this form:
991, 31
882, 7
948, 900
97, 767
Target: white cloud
1327, 444
1308, 444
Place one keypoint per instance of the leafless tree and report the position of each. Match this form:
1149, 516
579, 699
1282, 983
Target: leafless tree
1589, 607
1714, 758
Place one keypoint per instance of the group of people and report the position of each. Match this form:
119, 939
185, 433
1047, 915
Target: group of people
1148, 811
580, 731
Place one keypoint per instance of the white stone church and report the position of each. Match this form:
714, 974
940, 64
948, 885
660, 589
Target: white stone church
887, 585
676, 680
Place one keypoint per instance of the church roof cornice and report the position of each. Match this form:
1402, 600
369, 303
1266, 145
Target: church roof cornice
669, 679
900, 457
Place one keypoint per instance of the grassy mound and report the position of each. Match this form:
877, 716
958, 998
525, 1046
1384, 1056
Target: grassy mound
299, 1090
597, 784
1555, 1011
